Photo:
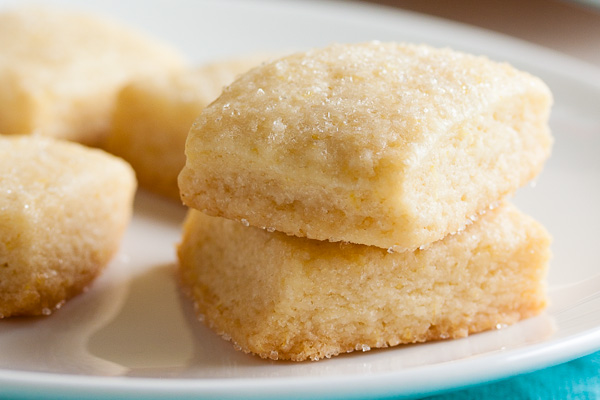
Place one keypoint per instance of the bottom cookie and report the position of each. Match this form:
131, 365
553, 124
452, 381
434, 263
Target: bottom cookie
283, 297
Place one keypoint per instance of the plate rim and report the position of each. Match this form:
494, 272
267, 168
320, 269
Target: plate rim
524, 360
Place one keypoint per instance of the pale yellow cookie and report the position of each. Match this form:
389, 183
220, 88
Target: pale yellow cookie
382, 144
152, 118
60, 71
63, 210
284, 297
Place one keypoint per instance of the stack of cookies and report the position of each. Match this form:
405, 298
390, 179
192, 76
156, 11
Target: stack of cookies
352, 197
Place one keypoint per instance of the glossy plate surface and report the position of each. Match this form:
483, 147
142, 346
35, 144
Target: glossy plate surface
133, 336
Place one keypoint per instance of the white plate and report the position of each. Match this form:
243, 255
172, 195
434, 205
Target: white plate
133, 336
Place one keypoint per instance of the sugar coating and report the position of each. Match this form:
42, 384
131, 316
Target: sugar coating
153, 115
284, 297
60, 71
63, 210
383, 144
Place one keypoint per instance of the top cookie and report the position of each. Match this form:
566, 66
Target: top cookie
60, 71
383, 144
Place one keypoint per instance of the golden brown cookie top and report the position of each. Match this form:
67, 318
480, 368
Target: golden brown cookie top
352, 106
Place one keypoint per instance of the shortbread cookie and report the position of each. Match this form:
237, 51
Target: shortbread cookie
152, 118
63, 210
284, 297
60, 71
382, 144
